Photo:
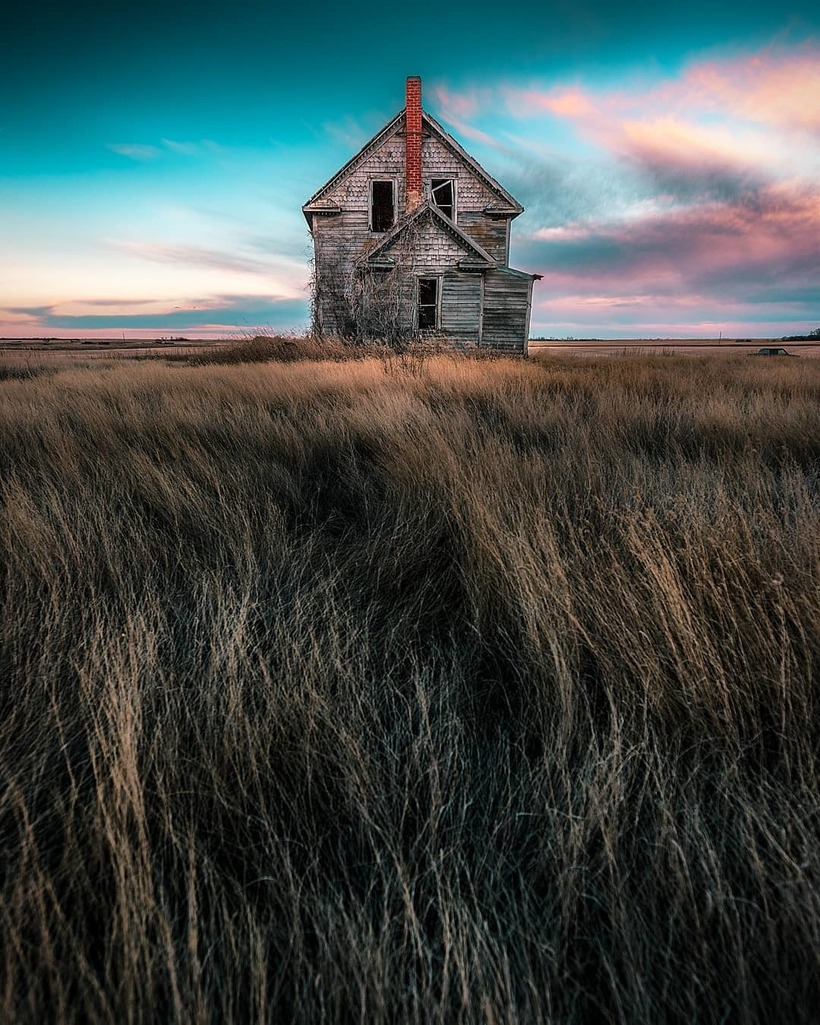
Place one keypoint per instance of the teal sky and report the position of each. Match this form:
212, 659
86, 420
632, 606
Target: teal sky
153, 160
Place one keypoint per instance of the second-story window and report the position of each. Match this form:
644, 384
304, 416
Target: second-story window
382, 206
443, 194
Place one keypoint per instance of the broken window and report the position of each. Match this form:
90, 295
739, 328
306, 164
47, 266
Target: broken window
381, 205
443, 194
428, 303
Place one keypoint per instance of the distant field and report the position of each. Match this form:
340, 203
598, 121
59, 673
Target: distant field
681, 346
423, 689
99, 347
80, 344
115, 347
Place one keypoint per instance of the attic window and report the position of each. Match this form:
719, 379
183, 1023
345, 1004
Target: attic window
428, 303
381, 205
443, 194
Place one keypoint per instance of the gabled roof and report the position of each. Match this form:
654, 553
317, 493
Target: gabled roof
506, 205
389, 129
480, 258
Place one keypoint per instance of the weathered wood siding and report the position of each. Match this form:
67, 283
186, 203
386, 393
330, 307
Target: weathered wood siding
337, 243
439, 161
352, 194
434, 253
386, 162
341, 240
490, 233
472, 196
431, 249
506, 309
461, 305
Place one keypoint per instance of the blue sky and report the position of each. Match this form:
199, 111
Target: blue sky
153, 160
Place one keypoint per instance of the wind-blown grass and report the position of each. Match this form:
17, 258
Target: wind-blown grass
337, 692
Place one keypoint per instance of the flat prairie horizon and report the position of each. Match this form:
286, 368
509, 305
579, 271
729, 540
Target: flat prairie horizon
562, 346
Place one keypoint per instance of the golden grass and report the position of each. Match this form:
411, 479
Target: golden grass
411, 690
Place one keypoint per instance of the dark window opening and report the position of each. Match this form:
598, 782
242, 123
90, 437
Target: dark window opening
443, 192
428, 302
381, 206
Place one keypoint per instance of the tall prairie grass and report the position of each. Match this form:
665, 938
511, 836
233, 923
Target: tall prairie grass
387, 692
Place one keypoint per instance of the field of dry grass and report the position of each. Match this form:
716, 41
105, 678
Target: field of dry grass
410, 691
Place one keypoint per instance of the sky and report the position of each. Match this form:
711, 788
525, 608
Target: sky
154, 158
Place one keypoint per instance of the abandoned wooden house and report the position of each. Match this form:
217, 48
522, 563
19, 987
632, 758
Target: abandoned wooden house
412, 237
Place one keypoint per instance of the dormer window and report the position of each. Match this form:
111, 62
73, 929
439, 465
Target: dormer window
443, 194
382, 206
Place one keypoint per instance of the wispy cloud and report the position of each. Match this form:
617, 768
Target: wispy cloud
464, 105
196, 256
118, 304
775, 86
28, 311
149, 151
183, 149
135, 150
208, 316
755, 112
353, 132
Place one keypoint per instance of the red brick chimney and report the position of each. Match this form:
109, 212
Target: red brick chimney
412, 141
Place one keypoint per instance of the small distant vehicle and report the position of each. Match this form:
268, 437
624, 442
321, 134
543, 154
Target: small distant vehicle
768, 350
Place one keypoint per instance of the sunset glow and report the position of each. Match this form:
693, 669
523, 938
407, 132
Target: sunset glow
671, 188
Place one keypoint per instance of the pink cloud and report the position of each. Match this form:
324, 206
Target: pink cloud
459, 105
694, 198
670, 139
771, 86
768, 250
726, 110
572, 102
468, 131
691, 316
457, 108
